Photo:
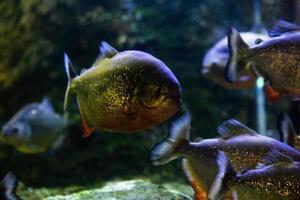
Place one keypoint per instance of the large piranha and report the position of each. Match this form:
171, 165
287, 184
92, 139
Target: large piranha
127, 91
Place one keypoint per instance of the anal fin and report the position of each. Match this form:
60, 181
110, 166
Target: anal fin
200, 193
272, 95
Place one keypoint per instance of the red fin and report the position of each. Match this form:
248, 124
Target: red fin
272, 95
87, 130
200, 193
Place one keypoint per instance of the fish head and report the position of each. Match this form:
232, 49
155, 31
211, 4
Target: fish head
18, 128
163, 153
160, 97
15, 133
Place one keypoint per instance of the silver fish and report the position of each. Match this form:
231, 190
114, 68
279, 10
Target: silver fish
36, 128
276, 178
244, 147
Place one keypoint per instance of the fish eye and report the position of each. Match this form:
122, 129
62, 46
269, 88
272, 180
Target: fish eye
15, 130
158, 91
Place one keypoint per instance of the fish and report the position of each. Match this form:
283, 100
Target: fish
276, 178
244, 147
36, 128
123, 92
287, 131
276, 60
216, 58
8, 187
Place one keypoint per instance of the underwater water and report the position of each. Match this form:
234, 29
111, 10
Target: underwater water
78, 115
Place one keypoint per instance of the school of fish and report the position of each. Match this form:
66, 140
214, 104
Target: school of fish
132, 91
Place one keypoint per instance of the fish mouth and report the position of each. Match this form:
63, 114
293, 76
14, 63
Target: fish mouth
155, 160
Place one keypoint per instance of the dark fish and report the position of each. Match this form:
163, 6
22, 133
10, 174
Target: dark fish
287, 132
8, 187
277, 59
243, 146
215, 60
36, 128
277, 178
125, 91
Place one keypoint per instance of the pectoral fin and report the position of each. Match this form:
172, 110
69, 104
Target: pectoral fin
87, 130
271, 94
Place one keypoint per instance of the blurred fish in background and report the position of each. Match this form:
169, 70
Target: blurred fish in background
36, 128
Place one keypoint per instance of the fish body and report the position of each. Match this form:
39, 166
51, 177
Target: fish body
215, 60
36, 128
276, 59
277, 178
243, 146
125, 91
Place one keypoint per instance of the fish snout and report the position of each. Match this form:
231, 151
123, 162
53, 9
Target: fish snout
9, 131
155, 160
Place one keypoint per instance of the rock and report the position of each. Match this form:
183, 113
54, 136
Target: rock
126, 190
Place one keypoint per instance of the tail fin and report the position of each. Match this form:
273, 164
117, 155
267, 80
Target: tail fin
9, 186
219, 187
178, 132
239, 51
68, 66
286, 129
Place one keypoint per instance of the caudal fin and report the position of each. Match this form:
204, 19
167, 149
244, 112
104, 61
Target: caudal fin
68, 66
179, 130
219, 186
239, 52
9, 186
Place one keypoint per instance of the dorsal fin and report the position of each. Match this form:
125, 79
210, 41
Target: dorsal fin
286, 129
106, 51
46, 105
274, 157
281, 27
232, 127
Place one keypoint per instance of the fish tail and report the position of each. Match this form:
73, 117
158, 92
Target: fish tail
178, 133
9, 185
219, 187
239, 52
71, 76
